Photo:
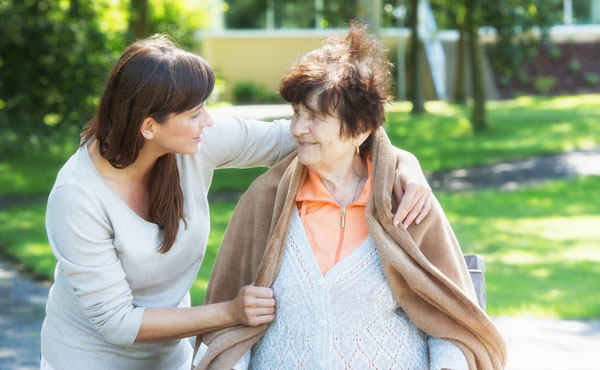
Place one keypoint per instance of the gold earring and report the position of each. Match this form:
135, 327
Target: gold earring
357, 150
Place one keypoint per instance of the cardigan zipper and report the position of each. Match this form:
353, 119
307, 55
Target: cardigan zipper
338, 252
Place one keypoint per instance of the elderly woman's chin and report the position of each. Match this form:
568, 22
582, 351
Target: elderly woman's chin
309, 156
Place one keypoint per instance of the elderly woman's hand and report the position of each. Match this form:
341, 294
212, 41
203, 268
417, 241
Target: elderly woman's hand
411, 190
253, 306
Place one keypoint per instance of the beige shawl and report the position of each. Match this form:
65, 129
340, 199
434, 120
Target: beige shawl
424, 265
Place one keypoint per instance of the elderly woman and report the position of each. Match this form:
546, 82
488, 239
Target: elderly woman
352, 291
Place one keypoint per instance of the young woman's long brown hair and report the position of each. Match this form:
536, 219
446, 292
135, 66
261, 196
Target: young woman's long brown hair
152, 78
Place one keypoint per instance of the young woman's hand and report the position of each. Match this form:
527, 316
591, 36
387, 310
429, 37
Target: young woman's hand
253, 306
411, 190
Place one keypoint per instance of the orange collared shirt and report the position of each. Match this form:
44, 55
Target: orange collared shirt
333, 231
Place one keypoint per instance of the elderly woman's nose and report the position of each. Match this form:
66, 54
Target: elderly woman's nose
299, 126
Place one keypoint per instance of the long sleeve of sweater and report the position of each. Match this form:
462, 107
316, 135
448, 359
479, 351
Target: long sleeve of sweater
445, 355
82, 241
234, 142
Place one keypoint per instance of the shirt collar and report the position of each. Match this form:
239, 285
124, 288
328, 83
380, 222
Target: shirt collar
313, 190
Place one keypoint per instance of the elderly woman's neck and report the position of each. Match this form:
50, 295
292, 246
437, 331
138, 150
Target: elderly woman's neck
344, 179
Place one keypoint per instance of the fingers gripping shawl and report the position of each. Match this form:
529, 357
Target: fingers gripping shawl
424, 266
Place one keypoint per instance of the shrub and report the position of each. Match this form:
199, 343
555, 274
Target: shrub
544, 84
591, 78
252, 92
503, 80
523, 77
219, 90
53, 61
554, 52
574, 65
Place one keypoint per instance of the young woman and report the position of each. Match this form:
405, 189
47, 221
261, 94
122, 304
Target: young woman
128, 217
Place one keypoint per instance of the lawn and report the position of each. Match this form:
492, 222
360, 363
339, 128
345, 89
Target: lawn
441, 139
540, 245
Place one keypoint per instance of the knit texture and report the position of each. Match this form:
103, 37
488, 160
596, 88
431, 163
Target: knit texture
350, 319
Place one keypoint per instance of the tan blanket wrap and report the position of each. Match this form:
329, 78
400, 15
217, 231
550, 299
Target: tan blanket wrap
424, 266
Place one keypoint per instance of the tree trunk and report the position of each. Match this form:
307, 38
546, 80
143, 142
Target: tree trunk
416, 94
460, 93
478, 119
74, 8
138, 19
369, 13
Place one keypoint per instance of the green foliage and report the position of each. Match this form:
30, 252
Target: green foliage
252, 92
178, 19
53, 60
574, 65
252, 14
554, 51
516, 23
219, 89
245, 14
591, 78
544, 84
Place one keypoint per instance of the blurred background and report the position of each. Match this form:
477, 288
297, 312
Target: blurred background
499, 100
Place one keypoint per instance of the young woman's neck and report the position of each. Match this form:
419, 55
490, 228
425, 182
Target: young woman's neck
137, 172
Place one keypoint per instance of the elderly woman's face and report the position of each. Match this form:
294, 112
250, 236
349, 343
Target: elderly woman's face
318, 137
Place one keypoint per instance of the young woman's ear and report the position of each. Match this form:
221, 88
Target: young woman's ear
148, 128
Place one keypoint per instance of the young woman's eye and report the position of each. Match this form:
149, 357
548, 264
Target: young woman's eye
296, 111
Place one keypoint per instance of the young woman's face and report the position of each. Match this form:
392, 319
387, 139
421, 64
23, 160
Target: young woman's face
182, 133
318, 137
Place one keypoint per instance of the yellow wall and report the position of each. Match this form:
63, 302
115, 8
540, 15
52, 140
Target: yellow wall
259, 56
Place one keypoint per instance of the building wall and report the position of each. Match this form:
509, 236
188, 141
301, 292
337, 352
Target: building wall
264, 56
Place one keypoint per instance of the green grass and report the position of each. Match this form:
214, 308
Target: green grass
441, 139
32, 173
527, 126
540, 245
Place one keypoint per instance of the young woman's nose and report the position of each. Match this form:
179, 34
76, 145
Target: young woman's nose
205, 118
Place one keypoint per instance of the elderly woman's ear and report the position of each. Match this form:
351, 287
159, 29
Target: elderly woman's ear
412, 196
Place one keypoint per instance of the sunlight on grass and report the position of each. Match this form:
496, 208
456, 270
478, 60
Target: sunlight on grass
527, 126
540, 245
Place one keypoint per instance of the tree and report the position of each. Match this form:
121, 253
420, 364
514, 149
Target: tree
521, 27
416, 92
460, 91
369, 12
138, 19
53, 58
478, 116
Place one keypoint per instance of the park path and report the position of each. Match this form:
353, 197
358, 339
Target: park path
533, 343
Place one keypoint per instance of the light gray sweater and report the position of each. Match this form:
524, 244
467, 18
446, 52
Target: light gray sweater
346, 319
108, 267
